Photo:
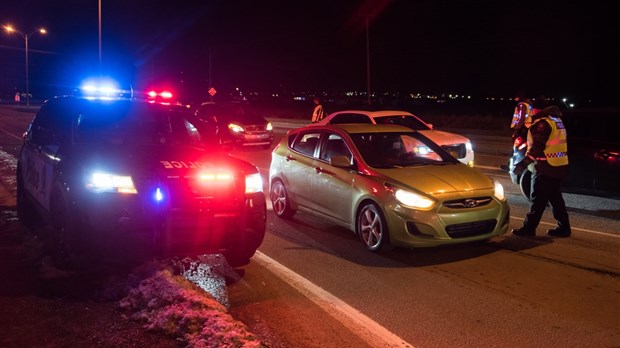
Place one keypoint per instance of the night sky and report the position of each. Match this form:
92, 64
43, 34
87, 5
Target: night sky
480, 48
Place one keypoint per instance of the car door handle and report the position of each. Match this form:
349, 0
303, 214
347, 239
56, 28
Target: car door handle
320, 170
290, 158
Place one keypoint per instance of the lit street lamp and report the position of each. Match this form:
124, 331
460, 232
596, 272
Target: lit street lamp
42, 31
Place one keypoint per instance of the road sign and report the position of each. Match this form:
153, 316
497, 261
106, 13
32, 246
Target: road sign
212, 91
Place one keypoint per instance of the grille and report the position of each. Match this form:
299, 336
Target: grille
459, 149
468, 203
470, 229
254, 129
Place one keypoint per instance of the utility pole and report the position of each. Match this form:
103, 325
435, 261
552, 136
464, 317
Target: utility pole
368, 63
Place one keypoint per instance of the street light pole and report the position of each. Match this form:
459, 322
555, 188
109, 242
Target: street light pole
26, 37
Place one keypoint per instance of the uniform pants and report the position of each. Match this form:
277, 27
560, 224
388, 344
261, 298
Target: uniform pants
546, 190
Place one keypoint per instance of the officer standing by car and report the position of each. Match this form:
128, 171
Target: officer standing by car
547, 159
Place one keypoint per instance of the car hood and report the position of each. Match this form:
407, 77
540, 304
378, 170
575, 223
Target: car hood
439, 179
444, 138
245, 120
151, 160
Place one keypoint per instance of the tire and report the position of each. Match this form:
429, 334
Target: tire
26, 212
246, 248
371, 228
239, 257
525, 184
280, 201
67, 250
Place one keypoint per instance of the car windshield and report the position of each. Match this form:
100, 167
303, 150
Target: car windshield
394, 150
230, 112
403, 120
134, 123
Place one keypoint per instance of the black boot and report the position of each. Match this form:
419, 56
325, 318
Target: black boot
558, 232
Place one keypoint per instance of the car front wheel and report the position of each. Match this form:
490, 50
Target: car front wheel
67, 251
280, 201
25, 210
372, 228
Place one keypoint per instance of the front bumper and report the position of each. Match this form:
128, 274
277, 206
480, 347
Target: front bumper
443, 226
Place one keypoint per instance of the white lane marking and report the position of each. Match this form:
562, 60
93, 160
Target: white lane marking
11, 134
366, 328
574, 228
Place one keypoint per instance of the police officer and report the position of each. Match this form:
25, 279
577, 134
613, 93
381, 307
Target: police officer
547, 159
318, 113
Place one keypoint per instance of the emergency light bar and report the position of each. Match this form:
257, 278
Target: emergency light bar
105, 89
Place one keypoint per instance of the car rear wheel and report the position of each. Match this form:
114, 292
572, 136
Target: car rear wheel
525, 184
280, 201
372, 228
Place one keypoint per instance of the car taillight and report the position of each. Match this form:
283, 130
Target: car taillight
214, 178
253, 183
163, 97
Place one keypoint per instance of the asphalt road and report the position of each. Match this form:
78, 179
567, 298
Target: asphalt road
312, 284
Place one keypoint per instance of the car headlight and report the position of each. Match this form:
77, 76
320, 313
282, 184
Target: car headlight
253, 183
413, 200
269, 127
422, 150
498, 191
235, 128
106, 182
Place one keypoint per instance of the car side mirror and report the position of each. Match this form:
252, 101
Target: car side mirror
340, 161
430, 125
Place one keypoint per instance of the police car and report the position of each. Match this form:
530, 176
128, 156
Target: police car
106, 173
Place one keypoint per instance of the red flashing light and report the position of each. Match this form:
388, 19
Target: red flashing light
152, 94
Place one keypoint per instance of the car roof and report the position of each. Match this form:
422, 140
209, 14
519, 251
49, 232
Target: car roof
112, 102
376, 113
353, 128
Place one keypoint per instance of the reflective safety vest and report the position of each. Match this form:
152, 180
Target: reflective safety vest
516, 116
556, 149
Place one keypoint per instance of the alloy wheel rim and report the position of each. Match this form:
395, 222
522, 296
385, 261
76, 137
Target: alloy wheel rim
371, 227
278, 198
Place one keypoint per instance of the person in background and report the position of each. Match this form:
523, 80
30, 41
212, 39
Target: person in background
522, 116
318, 113
521, 121
547, 159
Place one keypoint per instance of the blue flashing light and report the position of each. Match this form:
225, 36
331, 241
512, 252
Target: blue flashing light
103, 88
159, 196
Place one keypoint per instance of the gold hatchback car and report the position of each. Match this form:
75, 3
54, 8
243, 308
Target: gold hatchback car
388, 184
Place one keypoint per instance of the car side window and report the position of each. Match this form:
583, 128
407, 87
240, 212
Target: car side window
334, 146
306, 143
350, 118
52, 124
